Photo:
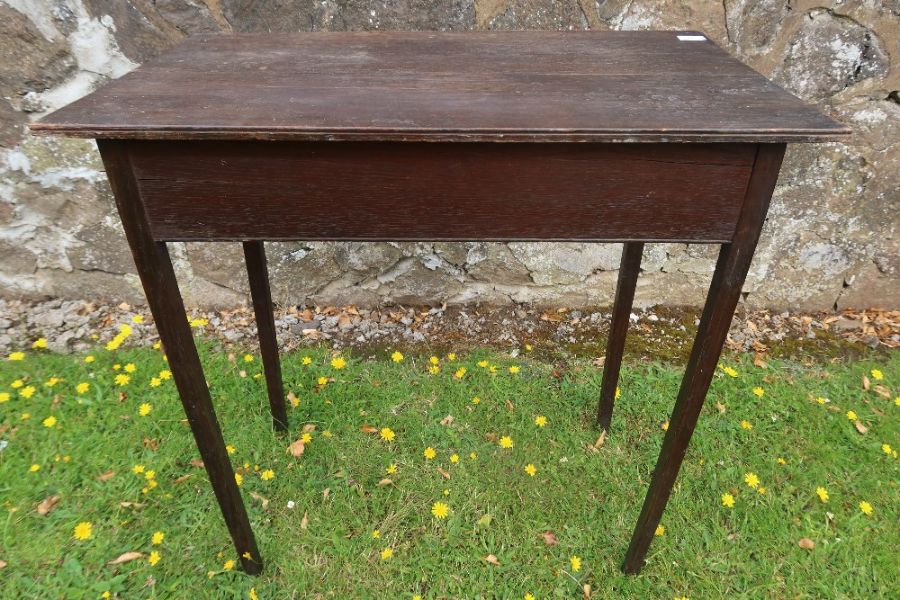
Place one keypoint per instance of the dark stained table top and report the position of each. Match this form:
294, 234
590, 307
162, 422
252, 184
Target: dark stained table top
477, 86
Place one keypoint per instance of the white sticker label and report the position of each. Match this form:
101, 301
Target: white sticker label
692, 38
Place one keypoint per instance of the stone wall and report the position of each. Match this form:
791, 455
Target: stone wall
830, 241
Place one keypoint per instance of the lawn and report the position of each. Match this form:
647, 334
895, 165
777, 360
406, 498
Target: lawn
805, 451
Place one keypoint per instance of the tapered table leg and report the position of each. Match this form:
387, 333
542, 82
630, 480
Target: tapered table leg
255, 257
161, 288
618, 327
724, 292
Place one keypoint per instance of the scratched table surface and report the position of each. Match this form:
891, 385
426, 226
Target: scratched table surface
654, 86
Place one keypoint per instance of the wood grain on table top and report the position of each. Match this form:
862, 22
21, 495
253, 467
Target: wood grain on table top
426, 86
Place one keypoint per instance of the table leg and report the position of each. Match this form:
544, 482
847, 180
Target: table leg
724, 292
255, 257
161, 288
618, 327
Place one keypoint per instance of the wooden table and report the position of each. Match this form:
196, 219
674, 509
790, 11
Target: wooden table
627, 137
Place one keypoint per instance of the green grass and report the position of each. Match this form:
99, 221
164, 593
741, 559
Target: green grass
589, 499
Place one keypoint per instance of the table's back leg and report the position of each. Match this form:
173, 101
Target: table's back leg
255, 257
618, 327
161, 288
724, 292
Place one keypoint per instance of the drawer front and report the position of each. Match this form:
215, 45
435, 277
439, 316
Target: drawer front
441, 191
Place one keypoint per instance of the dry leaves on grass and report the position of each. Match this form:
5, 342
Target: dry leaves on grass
806, 543
860, 427
296, 449
385, 482
448, 420
304, 522
48, 504
549, 538
125, 557
261, 499
492, 559
106, 476
443, 473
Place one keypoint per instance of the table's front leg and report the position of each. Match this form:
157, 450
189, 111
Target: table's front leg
161, 288
724, 292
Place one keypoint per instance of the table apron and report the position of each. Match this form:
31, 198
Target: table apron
368, 191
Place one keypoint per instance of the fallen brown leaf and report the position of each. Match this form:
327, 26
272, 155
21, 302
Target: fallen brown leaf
369, 429
183, 478
882, 391
47, 504
385, 482
443, 473
720, 407
586, 590
261, 499
106, 476
304, 522
599, 362
509, 405
125, 557
806, 543
759, 361
292, 398
549, 538
860, 427
865, 383
325, 493
196, 462
448, 420
309, 428
297, 449
151, 443
2, 564
600, 440
492, 559
131, 504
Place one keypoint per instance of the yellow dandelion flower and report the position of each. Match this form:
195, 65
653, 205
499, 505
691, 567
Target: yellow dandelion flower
781, 461
230, 449
154, 558
387, 553
483, 364
27, 391
665, 425
157, 538
130, 368
83, 531
822, 400
514, 369
759, 392
34, 468
137, 469
473, 456
338, 362
429, 453
454, 458
434, 370
761, 490
16, 356
248, 358
122, 379
155, 382
530, 469
434, 360
166, 374
751, 480
4, 397
391, 469
440, 510
137, 319
822, 493
727, 500
660, 531
731, 372
306, 437
306, 360
42, 343
476, 400
397, 356
150, 475
506, 442
387, 434
89, 358
540, 420
49, 421
746, 425
851, 415
886, 448
866, 508
575, 561
252, 594
451, 356
267, 475
876, 374
144, 409
376, 534
17, 384
238, 479
82, 387
228, 565
460, 373
322, 380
